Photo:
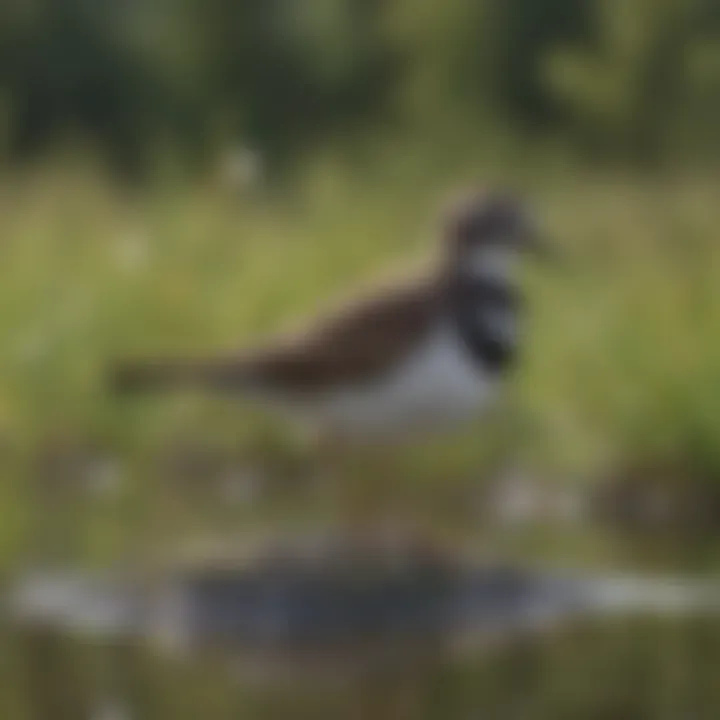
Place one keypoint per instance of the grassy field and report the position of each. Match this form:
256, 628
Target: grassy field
621, 372
622, 362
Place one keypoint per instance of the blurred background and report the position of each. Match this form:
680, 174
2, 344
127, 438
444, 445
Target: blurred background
191, 175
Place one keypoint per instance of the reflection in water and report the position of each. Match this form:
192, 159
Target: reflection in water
334, 606
324, 626
628, 668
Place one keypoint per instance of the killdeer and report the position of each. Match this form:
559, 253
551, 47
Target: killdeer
423, 355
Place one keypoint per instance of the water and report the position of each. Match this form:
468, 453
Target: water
538, 637
637, 668
274, 636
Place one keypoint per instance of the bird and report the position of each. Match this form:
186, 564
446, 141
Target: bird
422, 355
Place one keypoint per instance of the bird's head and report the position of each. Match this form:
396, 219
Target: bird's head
486, 234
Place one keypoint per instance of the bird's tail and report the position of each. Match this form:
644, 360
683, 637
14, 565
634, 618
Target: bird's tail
159, 375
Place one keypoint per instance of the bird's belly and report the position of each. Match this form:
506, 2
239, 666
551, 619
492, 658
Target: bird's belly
438, 387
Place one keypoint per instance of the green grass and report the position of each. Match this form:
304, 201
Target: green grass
621, 369
622, 363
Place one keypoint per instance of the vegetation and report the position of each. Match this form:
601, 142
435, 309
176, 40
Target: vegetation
369, 113
621, 365
193, 175
629, 80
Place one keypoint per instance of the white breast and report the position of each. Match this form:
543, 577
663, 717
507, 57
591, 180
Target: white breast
438, 386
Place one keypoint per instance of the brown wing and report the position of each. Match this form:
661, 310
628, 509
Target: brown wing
360, 343
357, 344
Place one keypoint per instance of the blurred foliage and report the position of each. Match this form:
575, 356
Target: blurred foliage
630, 79
628, 90
86, 278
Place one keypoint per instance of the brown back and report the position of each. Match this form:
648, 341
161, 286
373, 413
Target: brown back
360, 343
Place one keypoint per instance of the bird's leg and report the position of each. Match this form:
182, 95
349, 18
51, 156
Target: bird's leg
511, 502
340, 481
370, 485
356, 485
